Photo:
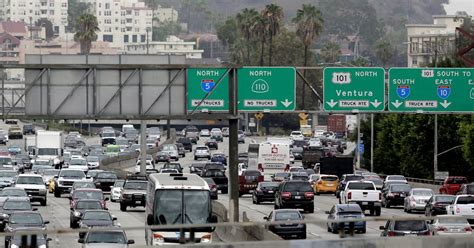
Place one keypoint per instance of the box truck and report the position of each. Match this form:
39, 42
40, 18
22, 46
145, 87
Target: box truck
49, 145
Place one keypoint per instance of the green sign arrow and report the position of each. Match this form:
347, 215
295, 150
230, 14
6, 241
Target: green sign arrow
266, 89
200, 82
354, 89
431, 89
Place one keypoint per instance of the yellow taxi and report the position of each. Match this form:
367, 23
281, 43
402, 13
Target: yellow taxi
324, 183
51, 185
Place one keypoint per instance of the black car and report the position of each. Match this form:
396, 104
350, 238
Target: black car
79, 208
196, 168
212, 187
395, 195
41, 240
176, 166
404, 228
287, 230
95, 218
212, 144
295, 194
219, 178
13, 206
436, 205
162, 157
300, 143
3, 138
214, 165
20, 220
219, 158
187, 143
346, 178
181, 150
265, 191
28, 128
217, 137
104, 180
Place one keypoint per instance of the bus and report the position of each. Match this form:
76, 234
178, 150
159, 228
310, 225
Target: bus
178, 199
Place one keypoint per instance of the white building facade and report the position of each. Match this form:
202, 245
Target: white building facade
30, 11
428, 43
172, 46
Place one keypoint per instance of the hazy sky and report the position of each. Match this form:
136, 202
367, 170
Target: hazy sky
457, 5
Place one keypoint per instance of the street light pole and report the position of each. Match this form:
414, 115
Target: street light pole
147, 42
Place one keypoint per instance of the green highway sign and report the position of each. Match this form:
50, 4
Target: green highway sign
266, 89
354, 89
200, 82
431, 90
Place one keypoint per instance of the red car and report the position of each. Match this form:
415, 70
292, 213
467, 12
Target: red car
89, 194
248, 181
452, 185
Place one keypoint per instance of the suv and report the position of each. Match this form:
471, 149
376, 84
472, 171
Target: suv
80, 207
202, 152
225, 131
395, 194
248, 181
405, 228
105, 180
133, 194
28, 129
295, 194
34, 187
451, 185
188, 146
346, 178
14, 132
219, 178
66, 178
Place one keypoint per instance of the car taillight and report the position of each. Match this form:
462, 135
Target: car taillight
349, 195
309, 195
287, 168
285, 195
320, 182
260, 178
392, 234
468, 229
260, 167
441, 228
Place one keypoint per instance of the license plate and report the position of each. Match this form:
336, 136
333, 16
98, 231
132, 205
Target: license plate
455, 230
138, 202
297, 197
329, 184
411, 235
270, 191
365, 203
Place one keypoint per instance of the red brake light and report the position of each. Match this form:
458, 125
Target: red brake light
286, 195
287, 168
441, 228
260, 167
392, 234
309, 195
349, 195
468, 229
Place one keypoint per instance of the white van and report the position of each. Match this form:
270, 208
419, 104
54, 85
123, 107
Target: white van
273, 157
127, 126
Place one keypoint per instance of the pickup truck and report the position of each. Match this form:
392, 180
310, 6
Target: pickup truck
364, 194
219, 179
462, 205
452, 185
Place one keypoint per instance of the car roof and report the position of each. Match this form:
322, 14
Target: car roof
348, 207
87, 189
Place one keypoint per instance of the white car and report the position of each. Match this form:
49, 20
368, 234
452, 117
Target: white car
204, 133
417, 199
396, 178
93, 162
79, 164
202, 152
149, 166
116, 190
451, 226
34, 186
296, 135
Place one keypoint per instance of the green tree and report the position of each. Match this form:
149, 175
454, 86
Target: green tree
274, 14
164, 30
227, 31
330, 52
87, 28
261, 31
75, 8
246, 23
48, 25
466, 131
384, 51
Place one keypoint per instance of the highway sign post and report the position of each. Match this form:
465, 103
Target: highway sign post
200, 82
354, 89
431, 90
266, 89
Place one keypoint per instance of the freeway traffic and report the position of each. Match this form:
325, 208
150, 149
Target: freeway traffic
57, 211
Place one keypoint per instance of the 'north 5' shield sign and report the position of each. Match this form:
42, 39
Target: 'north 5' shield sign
207, 85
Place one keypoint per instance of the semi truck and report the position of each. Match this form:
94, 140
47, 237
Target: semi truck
49, 145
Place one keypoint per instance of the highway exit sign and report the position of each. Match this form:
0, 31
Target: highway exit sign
200, 82
349, 89
431, 90
266, 89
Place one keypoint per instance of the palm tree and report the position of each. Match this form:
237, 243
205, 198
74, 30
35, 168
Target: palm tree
261, 31
246, 22
274, 14
330, 52
87, 26
384, 51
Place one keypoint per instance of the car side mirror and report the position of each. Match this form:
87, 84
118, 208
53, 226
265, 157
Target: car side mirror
49, 239
265, 218
46, 222
131, 242
81, 241
56, 177
381, 228
106, 199
327, 212
114, 218
149, 220
70, 198
34, 209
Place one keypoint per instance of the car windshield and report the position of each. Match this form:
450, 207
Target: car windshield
119, 183
445, 198
78, 162
169, 148
97, 215
169, 206
361, 186
422, 192
95, 195
72, 174
456, 180
107, 176
50, 172
82, 185
88, 205
108, 135
92, 159
287, 215
269, 185
201, 148
400, 188
376, 181
135, 185
13, 192
453, 221
17, 205
42, 162
282, 174
354, 178
297, 187
397, 178
352, 213
106, 237
8, 173
29, 180
465, 200
251, 173
26, 218
214, 173
410, 225
47, 151
328, 178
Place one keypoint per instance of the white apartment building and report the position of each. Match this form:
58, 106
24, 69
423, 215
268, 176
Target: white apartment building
30, 11
430, 42
172, 46
122, 21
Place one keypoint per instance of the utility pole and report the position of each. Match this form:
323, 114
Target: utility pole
435, 150
358, 142
371, 142
143, 147
147, 42
233, 149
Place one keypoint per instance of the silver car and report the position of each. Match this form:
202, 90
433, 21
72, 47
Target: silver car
202, 152
451, 226
105, 238
417, 199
